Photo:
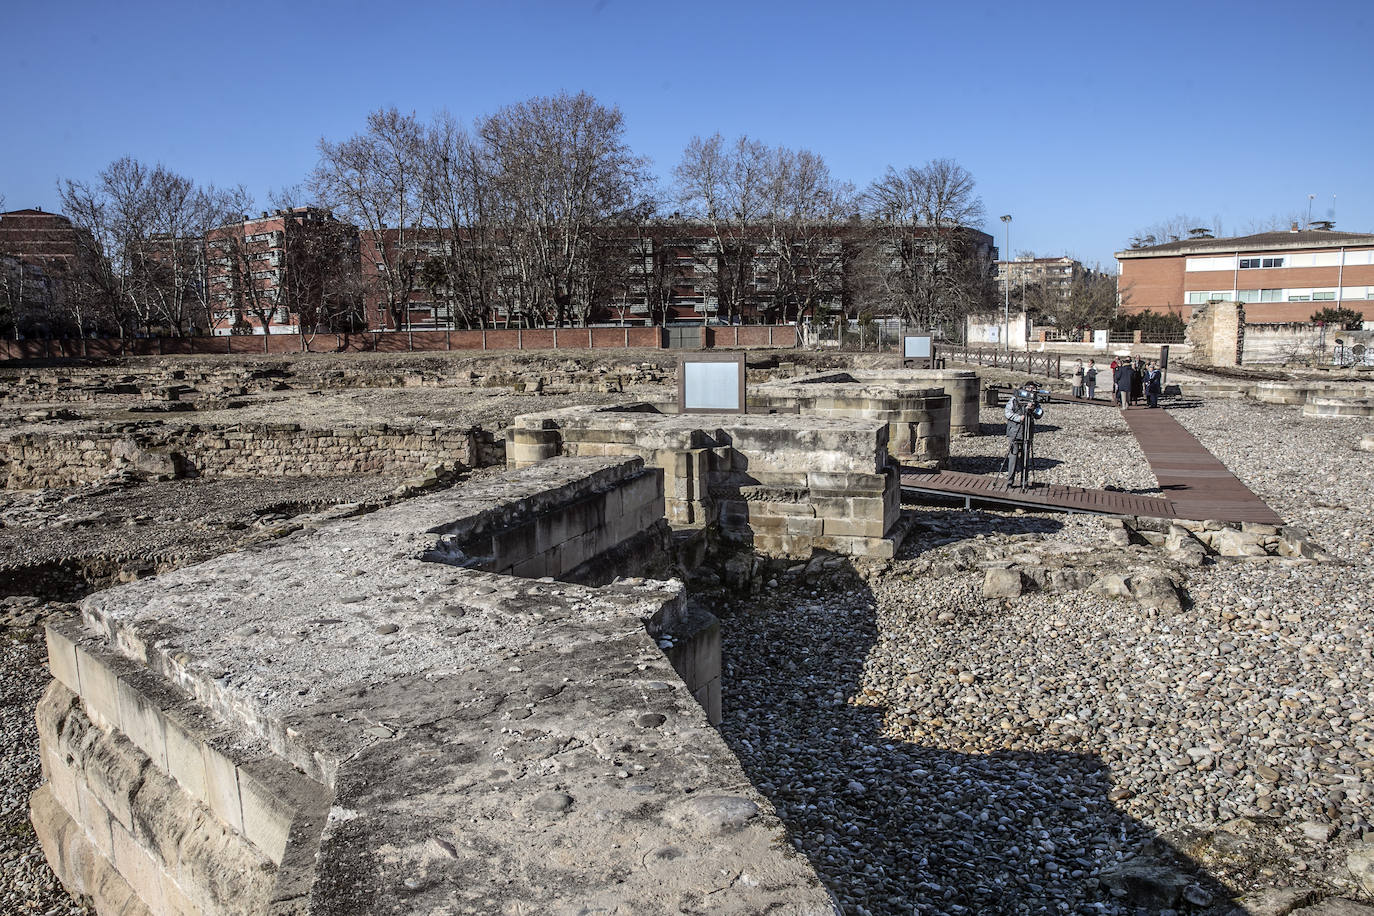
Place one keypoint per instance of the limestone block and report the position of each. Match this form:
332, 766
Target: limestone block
798, 526
222, 786
62, 658
99, 688
511, 546
563, 524
138, 868
142, 722
185, 759
266, 788
535, 567
1003, 583
95, 820
853, 527
842, 483
61, 778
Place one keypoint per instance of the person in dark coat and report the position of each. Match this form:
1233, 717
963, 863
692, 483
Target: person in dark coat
1153, 384
1122, 380
1138, 381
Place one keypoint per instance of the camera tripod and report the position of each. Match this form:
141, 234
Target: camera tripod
1020, 477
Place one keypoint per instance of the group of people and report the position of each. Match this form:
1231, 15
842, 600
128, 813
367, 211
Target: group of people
1134, 381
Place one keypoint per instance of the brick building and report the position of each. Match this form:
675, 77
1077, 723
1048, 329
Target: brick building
281, 272
38, 253
1281, 277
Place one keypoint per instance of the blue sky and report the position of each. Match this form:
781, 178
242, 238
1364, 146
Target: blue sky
1085, 121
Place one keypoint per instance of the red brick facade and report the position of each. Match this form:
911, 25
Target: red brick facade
1281, 277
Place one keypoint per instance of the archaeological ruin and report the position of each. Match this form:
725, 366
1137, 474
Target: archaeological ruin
510, 634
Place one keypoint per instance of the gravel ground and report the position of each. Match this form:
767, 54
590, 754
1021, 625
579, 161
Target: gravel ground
27, 885
937, 752
1081, 445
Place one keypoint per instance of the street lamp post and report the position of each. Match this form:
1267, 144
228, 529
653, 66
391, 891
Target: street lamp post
1006, 284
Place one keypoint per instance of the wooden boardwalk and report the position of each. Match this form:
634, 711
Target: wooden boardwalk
987, 488
1196, 485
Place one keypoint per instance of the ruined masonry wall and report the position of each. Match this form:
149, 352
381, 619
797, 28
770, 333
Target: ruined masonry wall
348, 722
785, 485
33, 460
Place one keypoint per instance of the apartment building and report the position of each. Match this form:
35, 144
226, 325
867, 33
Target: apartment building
1282, 277
40, 252
1054, 274
665, 273
282, 272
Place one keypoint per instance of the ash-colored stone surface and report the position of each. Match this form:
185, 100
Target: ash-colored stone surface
491, 744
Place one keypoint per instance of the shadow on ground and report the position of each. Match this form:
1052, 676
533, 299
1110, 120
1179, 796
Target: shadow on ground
897, 827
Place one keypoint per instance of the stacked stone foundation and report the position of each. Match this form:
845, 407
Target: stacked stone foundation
362, 719
787, 485
33, 460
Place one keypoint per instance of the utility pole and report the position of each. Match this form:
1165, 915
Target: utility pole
1006, 284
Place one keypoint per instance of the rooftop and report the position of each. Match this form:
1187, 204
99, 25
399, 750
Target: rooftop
1264, 241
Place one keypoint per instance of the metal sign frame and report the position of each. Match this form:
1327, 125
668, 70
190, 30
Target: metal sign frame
738, 384
913, 342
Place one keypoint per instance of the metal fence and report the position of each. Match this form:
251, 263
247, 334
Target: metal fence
1046, 364
867, 337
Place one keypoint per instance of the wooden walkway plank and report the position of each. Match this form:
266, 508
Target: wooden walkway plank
1196, 485
1200, 486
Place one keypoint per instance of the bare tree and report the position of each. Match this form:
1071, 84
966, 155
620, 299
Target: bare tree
558, 166
374, 180
726, 188
1175, 229
147, 227
461, 273
927, 266
1090, 302
805, 207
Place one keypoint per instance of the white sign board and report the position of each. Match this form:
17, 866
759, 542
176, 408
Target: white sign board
711, 385
1100, 339
994, 333
916, 347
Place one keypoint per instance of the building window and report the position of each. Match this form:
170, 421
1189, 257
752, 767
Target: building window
1299, 298
1323, 295
1271, 295
1249, 295
1251, 263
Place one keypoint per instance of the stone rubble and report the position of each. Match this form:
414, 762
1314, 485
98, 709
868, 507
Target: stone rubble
936, 750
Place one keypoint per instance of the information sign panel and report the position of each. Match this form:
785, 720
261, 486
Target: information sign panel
711, 383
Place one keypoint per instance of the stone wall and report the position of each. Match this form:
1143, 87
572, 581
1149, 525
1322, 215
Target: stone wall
920, 421
785, 485
1216, 334
344, 723
33, 460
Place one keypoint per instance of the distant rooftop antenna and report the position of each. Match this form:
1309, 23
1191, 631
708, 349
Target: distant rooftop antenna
1310, 198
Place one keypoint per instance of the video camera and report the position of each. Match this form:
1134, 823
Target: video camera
1034, 397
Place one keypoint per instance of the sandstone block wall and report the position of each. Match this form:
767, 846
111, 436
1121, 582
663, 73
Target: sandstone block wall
32, 460
903, 396
1216, 334
349, 722
786, 485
